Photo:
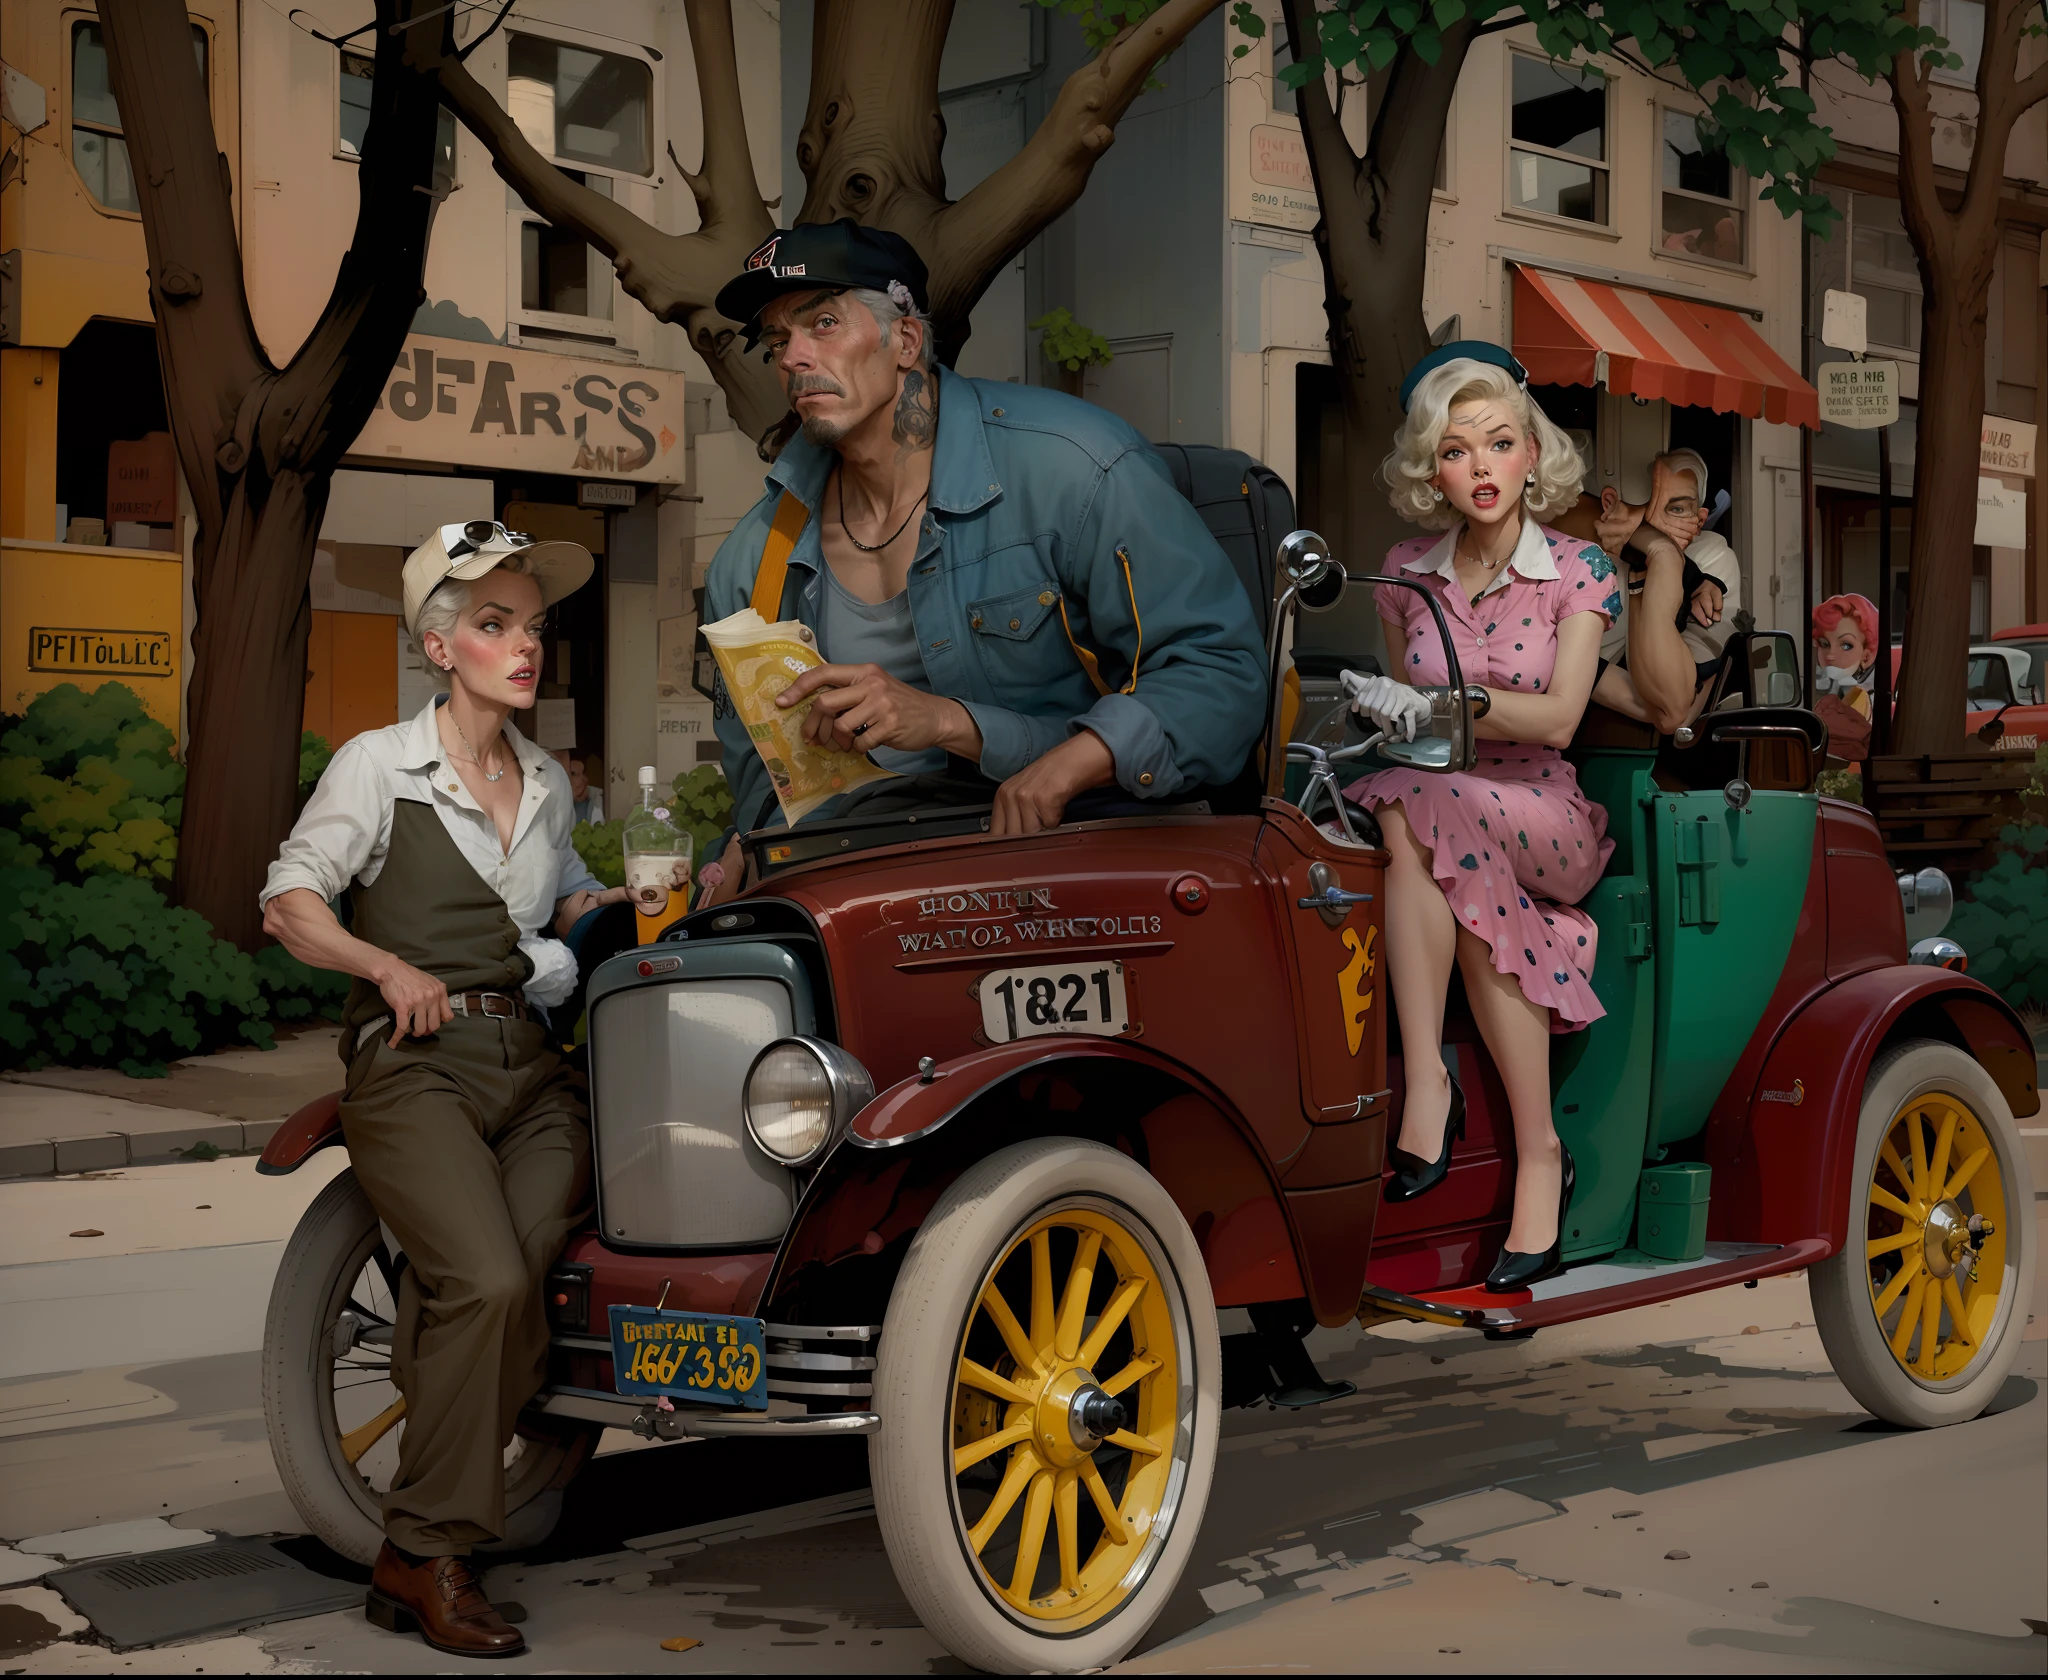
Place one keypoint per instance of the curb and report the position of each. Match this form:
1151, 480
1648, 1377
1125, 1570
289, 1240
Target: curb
111, 1151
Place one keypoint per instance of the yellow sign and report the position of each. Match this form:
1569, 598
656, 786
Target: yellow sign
71, 614
1354, 984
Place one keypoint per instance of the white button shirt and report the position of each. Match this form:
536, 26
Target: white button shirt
344, 834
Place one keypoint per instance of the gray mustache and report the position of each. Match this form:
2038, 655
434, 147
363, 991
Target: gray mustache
801, 383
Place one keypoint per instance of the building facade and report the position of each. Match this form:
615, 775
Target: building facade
531, 389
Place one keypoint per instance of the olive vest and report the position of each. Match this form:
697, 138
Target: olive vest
430, 908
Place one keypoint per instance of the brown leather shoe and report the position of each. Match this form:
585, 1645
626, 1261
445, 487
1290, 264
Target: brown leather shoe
440, 1600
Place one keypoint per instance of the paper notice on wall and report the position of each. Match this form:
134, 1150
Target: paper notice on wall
2001, 515
554, 724
758, 661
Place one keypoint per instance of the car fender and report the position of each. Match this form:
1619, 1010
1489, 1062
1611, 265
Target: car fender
868, 1197
308, 1130
1781, 1170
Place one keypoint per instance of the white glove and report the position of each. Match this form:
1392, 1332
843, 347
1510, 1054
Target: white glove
1394, 706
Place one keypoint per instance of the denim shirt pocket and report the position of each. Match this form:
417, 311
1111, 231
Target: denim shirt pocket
1018, 639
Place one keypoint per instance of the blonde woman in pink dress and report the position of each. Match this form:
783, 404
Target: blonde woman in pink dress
1489, 864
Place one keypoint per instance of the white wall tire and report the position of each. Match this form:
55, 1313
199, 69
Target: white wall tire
315, 1395
1913, 1335
968, 1420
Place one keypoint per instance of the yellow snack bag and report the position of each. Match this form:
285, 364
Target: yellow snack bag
759, 660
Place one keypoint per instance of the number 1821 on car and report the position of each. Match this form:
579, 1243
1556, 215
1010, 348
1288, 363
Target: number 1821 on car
1079, 997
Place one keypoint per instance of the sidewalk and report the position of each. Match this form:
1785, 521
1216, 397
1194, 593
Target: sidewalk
71, 1120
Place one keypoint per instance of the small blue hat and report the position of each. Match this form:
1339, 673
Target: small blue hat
1461, 350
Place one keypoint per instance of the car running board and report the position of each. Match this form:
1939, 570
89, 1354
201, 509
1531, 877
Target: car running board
1591, 1288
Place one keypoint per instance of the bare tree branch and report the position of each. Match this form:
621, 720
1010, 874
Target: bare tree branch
675, 276
999, 217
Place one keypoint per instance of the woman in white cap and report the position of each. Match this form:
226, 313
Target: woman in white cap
465, 1127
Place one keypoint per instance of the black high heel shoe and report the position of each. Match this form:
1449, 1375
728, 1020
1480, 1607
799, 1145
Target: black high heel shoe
1413, 1174
1514, 1272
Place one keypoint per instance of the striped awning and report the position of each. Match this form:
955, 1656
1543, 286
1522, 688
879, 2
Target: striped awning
1585, 332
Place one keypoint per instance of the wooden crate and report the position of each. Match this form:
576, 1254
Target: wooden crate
1945, 809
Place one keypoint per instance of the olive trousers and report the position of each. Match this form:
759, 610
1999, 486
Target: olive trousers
473, 1146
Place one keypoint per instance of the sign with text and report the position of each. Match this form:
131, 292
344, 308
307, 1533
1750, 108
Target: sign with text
2001, 515
2006, 446
489, 405
1858, 395
142, 479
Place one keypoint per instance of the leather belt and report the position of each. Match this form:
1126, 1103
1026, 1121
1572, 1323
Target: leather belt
499, 1006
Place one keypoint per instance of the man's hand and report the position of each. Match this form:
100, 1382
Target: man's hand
1617, 521
1036, 797
419, 1002
1706, 603
860, 707
1684, 523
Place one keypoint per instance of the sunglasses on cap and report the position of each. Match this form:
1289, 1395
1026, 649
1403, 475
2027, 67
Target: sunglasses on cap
471, 537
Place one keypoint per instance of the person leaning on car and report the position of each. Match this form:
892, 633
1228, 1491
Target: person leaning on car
998, 573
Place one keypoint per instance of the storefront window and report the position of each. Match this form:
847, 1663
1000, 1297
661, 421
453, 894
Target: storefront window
98, 152
1557, 158
352, 120
582, 106
1700, 210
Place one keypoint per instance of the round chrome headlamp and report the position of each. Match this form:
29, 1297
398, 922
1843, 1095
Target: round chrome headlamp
799, 1096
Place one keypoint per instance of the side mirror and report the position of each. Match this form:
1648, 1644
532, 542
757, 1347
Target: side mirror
1771, 670
1316, 579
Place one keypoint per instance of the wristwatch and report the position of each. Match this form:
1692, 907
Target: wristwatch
1479, 699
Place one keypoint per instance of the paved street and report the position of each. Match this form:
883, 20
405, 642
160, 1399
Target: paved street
1682, 1487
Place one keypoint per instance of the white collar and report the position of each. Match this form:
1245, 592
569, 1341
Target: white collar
1531, 558
423, 749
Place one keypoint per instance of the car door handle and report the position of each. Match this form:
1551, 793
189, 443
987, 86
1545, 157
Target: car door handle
1333, 898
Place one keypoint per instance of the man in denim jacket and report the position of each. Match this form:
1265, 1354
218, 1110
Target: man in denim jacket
998, 573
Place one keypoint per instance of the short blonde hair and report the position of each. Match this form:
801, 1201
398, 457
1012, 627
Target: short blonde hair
444, 606
1412, 464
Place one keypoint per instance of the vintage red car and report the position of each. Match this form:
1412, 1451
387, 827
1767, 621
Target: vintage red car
961, 1142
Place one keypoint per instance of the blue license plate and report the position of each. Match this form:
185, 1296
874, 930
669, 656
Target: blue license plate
708, 1358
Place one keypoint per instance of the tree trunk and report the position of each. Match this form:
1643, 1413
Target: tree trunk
1373, 238
1933, 686
257, 446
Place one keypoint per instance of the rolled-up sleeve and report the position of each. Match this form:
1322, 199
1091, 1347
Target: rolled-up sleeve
1183, 617
337, 831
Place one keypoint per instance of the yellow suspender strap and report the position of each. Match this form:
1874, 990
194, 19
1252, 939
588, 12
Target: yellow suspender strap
1089, 663
790, 515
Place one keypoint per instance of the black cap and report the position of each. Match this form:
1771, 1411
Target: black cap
811, 258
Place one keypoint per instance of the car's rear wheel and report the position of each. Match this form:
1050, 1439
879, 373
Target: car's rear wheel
1048, 1385
333, 1414
1923, 1309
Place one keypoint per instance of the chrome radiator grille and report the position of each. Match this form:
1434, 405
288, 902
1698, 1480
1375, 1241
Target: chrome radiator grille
675, 1167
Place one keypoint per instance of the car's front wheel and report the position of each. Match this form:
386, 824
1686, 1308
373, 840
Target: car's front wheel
1923, 1310
1048, 1384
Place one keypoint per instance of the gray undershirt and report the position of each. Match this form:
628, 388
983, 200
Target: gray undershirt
855, 632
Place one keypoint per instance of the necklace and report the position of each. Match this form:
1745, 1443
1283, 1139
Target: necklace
474, 759
1491, 566
877, 548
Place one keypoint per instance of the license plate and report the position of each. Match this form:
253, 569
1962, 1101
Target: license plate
1077, 997
708, 1358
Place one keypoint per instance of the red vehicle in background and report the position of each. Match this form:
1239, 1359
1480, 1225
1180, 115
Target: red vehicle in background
959, 1142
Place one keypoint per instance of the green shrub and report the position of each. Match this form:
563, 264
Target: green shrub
2001, 918
95, 967
1068, 344
600, 848
314, 757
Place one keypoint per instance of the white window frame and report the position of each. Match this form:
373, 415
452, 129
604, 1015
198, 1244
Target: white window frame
66, 26
1510, 146
581, 331
1744, 200
1898, 352
1964, 78
657, 114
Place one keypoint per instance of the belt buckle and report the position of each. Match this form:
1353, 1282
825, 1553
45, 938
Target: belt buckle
507, 1012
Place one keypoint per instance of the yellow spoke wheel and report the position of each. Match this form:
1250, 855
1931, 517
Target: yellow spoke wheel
1934, 1238
1923, 1307
1049, 1410
1066, 1405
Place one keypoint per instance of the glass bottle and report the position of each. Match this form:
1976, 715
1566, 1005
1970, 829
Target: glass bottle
657, 855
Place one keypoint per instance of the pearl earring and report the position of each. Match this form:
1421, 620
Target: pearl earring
1532, 478
1436, 493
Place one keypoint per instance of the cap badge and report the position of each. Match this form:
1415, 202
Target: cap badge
764, 254
899, 295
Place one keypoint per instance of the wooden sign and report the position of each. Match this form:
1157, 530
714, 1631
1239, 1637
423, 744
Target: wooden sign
1858, 395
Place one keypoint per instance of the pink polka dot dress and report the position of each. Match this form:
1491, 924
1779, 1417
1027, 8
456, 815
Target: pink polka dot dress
1514, 843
